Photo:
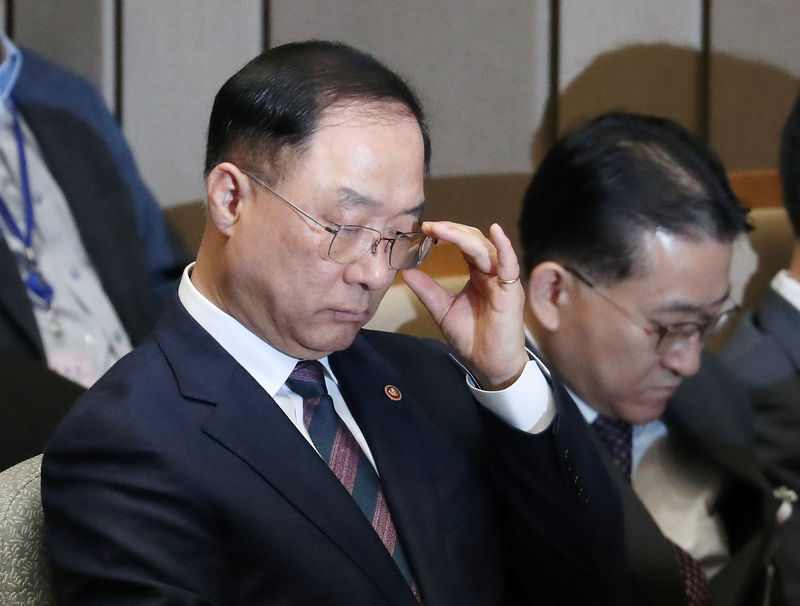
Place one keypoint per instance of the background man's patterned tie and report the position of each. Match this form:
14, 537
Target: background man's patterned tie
617, 436
347, 461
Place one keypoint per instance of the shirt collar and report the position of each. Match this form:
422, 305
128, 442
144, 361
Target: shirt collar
787, 287
10, 68
268, 366
589, 413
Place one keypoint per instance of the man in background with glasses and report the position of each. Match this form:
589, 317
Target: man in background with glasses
262, 448
643, 489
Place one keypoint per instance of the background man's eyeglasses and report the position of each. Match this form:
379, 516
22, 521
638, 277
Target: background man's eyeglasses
351, 242
672, 336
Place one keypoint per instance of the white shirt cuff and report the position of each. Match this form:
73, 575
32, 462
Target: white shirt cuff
527, 404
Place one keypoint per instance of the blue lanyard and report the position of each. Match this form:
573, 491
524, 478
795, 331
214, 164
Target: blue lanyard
34, 281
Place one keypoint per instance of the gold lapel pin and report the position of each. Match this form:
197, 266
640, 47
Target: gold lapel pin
392, 393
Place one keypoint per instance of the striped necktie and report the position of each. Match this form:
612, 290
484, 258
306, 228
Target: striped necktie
337, 446
617, 437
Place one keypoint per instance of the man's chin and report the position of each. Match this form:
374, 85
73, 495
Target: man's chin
340, 339
649, 409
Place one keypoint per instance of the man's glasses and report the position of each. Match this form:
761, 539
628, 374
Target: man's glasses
673, 336
351, 242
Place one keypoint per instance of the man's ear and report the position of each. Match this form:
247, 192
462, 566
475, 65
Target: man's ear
225, 186
547, 295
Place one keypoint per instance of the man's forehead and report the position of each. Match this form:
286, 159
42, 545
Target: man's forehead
679, 273
660, 250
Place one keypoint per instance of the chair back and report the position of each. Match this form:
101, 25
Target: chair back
24, 571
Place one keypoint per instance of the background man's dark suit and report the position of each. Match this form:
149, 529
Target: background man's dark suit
86, 154
206, 466
577, 514
764, 353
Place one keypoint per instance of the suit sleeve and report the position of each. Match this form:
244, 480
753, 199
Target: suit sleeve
122, 525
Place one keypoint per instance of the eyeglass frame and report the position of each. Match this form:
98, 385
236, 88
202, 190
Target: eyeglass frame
703, 331
338, 227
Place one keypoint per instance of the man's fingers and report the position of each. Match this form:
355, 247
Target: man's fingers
477, 250
433, 296
507, 263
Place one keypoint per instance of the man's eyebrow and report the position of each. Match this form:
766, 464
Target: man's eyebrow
415, 211
350, 198
687, 307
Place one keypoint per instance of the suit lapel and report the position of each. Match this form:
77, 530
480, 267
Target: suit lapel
250, 424
408, 470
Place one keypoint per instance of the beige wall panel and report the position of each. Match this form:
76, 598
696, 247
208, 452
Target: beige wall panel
77, 34
480, 67
176, 55
755, 71
638, 56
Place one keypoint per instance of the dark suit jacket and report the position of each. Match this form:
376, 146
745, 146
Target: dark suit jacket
579, 519
77, 147
176, 479
764, 353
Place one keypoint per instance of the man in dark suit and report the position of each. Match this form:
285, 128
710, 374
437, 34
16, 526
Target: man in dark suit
261, 448
764, 353
77, 164
642, 490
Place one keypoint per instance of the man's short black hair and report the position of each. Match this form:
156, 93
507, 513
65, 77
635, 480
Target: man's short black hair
274, 103
616, 177
790, 166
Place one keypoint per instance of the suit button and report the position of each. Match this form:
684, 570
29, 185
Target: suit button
582, 496
576, 479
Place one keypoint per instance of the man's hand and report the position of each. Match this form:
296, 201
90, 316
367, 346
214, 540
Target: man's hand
483, 322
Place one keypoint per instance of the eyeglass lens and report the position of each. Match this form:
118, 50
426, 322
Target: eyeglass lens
675, 336
409, 250
352, 242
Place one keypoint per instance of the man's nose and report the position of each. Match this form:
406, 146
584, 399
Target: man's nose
684, 359
372, 270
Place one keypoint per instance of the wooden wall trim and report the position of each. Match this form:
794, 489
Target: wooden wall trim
758, 188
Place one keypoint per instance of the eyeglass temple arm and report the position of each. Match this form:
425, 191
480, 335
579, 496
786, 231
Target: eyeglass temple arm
297, 208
